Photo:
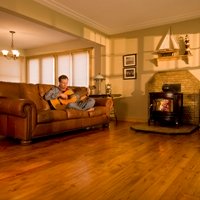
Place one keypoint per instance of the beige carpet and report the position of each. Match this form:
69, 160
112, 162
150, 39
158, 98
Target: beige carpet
184, 129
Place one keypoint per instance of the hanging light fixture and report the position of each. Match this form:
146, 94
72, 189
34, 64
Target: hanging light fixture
13, 54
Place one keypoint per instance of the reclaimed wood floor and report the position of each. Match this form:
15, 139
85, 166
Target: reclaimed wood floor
102, 164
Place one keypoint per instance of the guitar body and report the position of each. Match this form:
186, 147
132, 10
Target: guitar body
59, 102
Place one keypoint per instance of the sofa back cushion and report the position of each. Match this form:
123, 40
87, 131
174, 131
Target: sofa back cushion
82, 91
30, 91
8, 89
43, 88
33, 92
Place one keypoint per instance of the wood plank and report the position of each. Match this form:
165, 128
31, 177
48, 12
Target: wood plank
102, 164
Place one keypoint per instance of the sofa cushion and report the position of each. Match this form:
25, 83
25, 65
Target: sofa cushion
43, 88
98, 110
30, 91
8, 89
74, 114
81, 91
45, 116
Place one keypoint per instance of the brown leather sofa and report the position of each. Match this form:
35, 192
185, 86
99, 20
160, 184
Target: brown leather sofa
25, 115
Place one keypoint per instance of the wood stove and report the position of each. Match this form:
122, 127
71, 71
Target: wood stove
166, 107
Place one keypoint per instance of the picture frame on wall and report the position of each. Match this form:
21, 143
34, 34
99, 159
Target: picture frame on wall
129, 73
129, 60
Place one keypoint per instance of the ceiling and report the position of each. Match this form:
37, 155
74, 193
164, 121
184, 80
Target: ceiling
28, 34
107, 16
117, 16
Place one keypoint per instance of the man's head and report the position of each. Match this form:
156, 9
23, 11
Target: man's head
63, 82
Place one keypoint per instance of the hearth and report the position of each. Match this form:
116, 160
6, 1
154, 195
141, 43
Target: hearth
169, 130
190, 87
166, 107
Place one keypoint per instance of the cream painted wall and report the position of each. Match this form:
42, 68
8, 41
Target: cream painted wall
12, 70
134, 102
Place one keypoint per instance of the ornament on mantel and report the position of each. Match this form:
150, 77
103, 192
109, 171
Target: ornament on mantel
187, 46
108, 89
168, 46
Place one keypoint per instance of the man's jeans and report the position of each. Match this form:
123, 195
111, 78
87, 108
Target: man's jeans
82, 105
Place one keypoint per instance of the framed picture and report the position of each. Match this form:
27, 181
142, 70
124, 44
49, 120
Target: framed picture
129, 73
129, 60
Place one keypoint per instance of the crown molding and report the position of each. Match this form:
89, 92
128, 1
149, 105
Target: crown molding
60, 8
74, 15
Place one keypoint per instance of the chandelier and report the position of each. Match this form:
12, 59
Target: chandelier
13, 53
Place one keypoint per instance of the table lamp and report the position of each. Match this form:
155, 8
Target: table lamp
99, 78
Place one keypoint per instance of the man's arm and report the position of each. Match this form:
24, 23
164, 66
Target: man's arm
82, 95
53, 93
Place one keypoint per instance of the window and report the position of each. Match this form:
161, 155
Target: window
33, 71
47, 70
74, 65
64, 66
80, 69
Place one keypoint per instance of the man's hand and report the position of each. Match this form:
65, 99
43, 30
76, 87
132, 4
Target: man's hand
63, 95
85, 96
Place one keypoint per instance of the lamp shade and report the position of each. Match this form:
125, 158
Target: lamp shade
99, 77
5, 52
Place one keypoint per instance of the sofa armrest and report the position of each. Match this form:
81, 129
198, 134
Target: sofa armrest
17, 107
19, 117
108, 102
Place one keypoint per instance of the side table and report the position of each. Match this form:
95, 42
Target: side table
105, 96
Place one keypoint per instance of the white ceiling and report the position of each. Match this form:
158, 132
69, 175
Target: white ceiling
28, 34
108, 16
117, 16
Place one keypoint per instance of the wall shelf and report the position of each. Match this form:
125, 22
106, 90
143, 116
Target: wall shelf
169, 49
165, 58
185, 58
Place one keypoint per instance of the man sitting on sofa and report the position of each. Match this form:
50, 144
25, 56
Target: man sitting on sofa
62, 97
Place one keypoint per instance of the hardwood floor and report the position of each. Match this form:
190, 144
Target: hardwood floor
102, 164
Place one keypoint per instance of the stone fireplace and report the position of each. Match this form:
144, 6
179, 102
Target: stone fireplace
190, 87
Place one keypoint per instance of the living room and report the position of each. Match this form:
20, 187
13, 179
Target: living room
109, 51
131, 107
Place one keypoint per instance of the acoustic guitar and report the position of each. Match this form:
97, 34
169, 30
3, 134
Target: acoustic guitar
56, 103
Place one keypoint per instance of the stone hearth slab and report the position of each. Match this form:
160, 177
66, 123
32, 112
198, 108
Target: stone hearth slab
184, 129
